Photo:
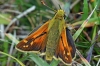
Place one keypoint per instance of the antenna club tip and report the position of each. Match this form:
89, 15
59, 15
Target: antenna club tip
43, 2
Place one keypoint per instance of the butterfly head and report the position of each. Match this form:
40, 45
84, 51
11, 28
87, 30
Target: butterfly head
60, 14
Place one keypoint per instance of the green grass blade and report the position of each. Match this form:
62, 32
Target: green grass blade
12, 58
85, 10
39, 61
54, 62
83, 25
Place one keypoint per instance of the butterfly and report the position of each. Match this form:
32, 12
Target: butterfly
53, 39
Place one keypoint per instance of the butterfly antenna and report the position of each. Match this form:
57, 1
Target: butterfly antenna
59, 6
47, 6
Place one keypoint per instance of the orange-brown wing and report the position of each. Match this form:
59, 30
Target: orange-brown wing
71, 43
63, 51
35, 41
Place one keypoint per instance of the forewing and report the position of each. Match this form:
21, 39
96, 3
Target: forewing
35, 41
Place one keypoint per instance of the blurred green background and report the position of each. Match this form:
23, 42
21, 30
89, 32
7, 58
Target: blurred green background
17, 21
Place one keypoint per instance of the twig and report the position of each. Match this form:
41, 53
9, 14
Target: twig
98, 63
2, 29
19, 16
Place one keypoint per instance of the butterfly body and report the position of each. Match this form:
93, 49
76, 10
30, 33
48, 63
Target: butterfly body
54, 34
51, 39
